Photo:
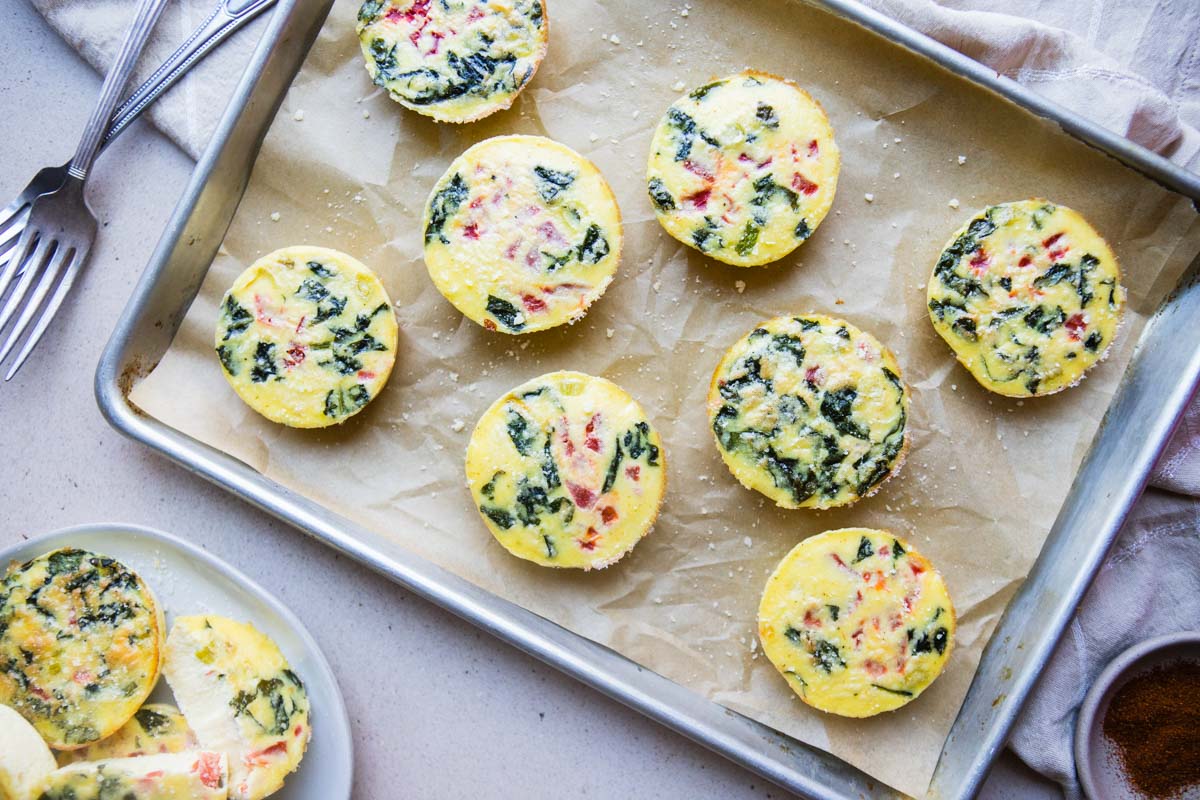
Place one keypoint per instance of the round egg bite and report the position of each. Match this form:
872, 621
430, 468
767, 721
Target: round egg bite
810, 411
743, 169
856, 621
1029, 297
306, 336
522, 234
154, 728
453, 60
241, 696
567, 471
81, 642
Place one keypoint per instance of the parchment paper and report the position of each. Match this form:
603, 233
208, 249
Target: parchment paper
345, 167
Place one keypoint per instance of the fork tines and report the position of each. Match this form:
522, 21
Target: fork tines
43, 264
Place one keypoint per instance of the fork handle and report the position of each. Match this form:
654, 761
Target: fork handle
227, 17
114, 84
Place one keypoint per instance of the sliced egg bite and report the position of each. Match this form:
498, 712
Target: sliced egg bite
857, 622
522, 234
810, 411
25, 760
194, 775
743, 169
306, 336
567, 471
1028, 296
453, 60
240, 696
155, 728
81, 640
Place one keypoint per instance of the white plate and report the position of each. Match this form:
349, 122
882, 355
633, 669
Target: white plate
187, 580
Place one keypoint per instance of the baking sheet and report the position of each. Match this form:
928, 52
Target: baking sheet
345, 167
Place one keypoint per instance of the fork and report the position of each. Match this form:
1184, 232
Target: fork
226, 18
61, 228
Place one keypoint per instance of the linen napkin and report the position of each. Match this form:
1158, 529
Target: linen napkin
1130, 65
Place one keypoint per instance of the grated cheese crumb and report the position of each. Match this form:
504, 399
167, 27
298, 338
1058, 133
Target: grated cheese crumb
609, 332
299, 115
740, 286
953, 202
870, 198
962, 160
678, 86
274, 216
457, 425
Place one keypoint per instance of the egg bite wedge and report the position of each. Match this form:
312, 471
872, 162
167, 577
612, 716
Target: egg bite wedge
195, 775
25, 760
81, 642
522, 234
1028, 296
743, 169
154, 728
306, 336
239, 695
857, 622
566, 471
810, 411
453, 60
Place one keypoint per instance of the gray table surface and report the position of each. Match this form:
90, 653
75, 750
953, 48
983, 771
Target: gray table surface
438, 708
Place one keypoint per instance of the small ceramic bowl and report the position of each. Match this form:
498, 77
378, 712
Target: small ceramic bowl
1096, 759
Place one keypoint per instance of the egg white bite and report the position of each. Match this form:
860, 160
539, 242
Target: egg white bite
1028, 296
522, 234
856, 621
81, 639
194, 775
743, 169
810, 411
154, 728
567, 471
25, 760
453, 60
240, 697
306, 336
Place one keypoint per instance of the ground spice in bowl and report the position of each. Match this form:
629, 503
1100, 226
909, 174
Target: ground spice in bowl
1154, 721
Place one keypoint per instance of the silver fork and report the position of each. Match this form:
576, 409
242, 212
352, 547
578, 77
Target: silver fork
226, 18
61, 228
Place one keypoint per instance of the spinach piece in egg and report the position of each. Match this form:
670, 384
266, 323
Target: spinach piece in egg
552, 182
505, 312
444, 205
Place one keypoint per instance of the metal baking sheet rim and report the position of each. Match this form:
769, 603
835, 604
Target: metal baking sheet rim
1155, 390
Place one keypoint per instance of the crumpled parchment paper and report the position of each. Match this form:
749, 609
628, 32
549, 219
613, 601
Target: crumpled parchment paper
345, 167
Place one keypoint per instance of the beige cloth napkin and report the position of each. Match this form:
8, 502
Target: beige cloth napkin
1131, 65
189, 113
